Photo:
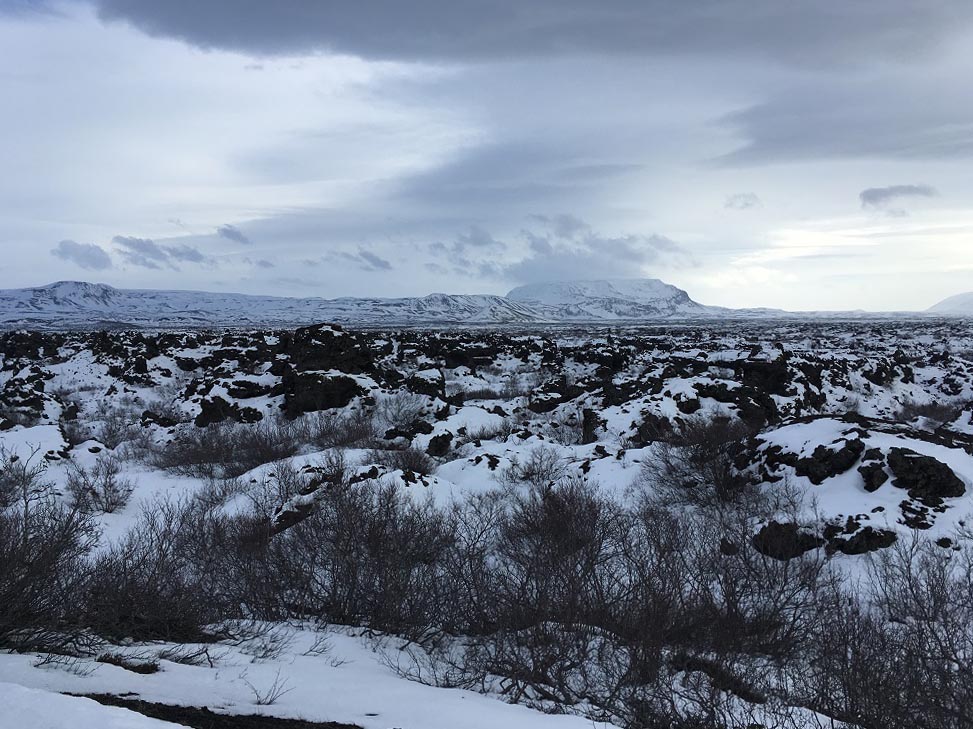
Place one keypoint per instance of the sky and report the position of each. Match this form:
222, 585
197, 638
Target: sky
800, 155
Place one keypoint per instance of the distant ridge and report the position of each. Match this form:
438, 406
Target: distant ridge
83, 305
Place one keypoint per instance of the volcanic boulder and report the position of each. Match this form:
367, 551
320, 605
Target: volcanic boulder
923, 477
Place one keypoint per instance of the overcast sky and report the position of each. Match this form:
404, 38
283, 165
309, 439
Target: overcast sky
804, 155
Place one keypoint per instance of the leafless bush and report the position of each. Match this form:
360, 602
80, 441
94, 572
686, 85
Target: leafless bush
401, 409
696, 462
543, 466
405, 459
23, 478
158, 582
355, 428
369, 555
500, 431
937, 411
43, 571
226, 450
116, 423
482, 393
925, 595
101, 487
271, 693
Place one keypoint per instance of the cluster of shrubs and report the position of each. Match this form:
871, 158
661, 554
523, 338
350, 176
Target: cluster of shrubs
648, 614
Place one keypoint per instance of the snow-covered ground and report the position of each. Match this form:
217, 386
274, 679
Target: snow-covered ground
348, 683
827, 407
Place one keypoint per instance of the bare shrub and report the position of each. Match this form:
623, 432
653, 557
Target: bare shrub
226, 450
369, 555
117, 422
405, 459
22, 478
158, 582
482, 393
925, 595
696, 462
43, 570
271, 693
937, 411
542, 467
354, 428
401, 409
101, 487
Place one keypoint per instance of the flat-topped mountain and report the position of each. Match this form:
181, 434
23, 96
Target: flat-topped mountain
635, 298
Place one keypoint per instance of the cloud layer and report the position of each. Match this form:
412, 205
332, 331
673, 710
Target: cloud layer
879, 197
86, 255
742, 149
501, 29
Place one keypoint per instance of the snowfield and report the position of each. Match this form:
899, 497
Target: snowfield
350, 684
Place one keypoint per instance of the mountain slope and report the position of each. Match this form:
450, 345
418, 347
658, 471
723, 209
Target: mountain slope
610, 299
76, 304
958, 305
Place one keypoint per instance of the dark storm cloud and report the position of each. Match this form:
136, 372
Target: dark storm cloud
477, 237
463, 249
146, 253
363, 260
141, 252
742, 201
185, 253
517, 176
878, 197
803, 32
559, 247
592, 255
86, 255
231, 232
375, 262
838, 119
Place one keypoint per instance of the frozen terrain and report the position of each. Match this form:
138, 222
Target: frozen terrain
801, 449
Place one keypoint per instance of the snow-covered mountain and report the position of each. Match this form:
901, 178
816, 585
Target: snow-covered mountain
958, 305
81, 305
76, 304
635, 298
